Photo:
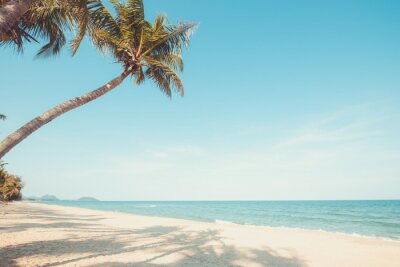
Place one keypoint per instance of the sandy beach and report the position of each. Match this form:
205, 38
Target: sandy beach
33, 234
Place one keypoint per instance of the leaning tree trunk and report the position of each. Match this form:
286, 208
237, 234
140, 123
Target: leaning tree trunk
16, 137
11, 12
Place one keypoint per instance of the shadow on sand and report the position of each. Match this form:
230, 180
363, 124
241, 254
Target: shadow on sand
151, 246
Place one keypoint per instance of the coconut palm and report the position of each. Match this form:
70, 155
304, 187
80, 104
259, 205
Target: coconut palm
11, 188
43, 19
144, 50
10, 185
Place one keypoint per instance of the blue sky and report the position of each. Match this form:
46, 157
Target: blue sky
284, 100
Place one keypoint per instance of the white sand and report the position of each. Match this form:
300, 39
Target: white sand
33, 234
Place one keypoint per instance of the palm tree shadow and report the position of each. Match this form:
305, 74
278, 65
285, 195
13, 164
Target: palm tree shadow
162, 245
88, 242
48, 218
201, 251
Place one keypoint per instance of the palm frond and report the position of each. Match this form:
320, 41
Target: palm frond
173, 61
139, 76
100, 17
170, 38
164, 75
82, 25
104, 41
47, 20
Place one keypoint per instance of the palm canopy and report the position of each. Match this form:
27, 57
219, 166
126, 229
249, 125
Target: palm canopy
47, 20
145, 50
2, 117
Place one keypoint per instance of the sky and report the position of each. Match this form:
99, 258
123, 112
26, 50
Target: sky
284, 100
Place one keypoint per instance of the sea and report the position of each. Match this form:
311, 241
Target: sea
374, 218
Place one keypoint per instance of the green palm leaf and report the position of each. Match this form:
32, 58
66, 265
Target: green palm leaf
48, 20
146, 50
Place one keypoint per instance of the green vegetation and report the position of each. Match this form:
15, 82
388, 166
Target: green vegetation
144, 50
46, 20
10, 185
2, 117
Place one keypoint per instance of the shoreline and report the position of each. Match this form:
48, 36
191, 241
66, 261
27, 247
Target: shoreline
34, 234
223, 222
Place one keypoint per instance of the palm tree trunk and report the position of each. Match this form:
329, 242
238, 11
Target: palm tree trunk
11, 13
16, 137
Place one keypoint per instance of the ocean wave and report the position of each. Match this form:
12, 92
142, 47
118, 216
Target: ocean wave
223, 222
146, 206
392, 239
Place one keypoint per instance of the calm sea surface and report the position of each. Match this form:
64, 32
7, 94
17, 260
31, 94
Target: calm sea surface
368, 217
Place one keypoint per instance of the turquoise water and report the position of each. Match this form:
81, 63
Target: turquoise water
368, 217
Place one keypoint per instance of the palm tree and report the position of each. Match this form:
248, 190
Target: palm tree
11, 12
10, 185
2, 117
143, 49
42, 19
